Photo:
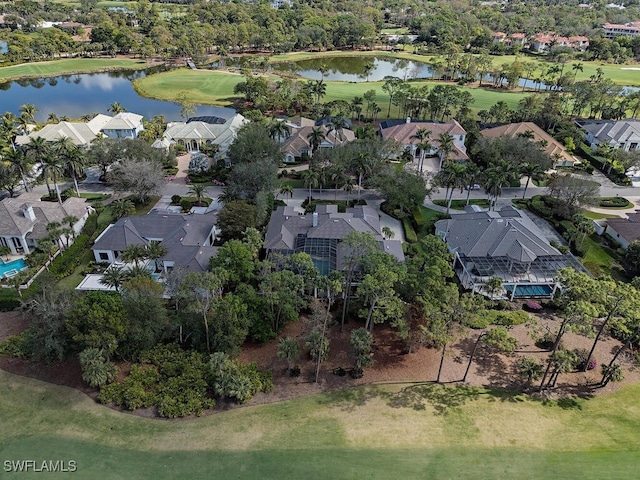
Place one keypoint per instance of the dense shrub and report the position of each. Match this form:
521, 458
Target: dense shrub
175, 199
582, 354
96, 369
7, 304
614, 202
418, 218
67, 261
409, 232
91, 225
13, 346
494, 317
199, 165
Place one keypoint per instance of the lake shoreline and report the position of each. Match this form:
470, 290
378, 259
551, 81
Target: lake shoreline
118, 64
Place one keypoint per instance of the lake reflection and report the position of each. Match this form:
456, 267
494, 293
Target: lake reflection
354, 69
82, 94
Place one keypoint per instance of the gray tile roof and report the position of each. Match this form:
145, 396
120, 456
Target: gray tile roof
183, 235
14, 222
495, 234
285, 228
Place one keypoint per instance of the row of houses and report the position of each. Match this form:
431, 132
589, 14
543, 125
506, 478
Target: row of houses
192, 134
541, 42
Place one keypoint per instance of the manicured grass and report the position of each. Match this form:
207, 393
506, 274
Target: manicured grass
599, 259
598, 216
430, 218
424, 431
216, 88
68, 66
201, 86
294, 182
460, 204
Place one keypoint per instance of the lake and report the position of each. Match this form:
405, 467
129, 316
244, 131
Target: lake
351, 69
82, 94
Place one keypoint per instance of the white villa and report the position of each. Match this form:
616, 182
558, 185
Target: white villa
24, 219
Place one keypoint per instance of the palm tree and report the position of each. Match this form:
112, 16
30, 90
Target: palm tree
422, 135
310, 178
52, 118
471, 174
19, 163
28, 111
137, 271
227, 196
530, 170
495, 178
362, 167
279, 130
122, 207
315, 137
337, 125
114, 276
155, 250
446, 147
37, 149
54, 232
576, 67
287, 189
4, 251
356, 106
70, 221
134, 253
451, 177
197, 190
51, 168
115, 108
72, 157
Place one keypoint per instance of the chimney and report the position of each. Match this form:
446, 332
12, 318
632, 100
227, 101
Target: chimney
29, 213
408, 120
315, 219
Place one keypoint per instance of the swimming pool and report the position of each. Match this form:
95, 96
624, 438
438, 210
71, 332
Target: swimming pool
12, 268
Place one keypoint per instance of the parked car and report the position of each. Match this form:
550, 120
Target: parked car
475, 186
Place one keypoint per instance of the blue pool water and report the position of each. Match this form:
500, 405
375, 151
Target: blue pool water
530, 290
11, 267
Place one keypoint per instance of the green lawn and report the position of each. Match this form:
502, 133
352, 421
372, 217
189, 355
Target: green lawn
216, 88
425, 431
599, 216
204, 87
68, 66
599, 259
460, 204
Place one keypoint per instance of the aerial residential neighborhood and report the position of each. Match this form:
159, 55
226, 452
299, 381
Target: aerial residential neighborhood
319, 240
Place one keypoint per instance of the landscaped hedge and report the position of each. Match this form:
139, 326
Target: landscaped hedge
67, 261
614, 202
418, 218
615, 174
7, 304
409, 232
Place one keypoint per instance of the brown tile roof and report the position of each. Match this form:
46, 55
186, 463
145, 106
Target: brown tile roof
514, 129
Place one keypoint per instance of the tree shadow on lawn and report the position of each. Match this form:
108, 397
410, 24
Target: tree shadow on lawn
441, 398
350, 398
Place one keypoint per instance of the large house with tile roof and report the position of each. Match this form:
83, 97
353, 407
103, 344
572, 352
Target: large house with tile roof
197, 131
506, 244
296, 143
553, 148
619, 134
24, 220
122, 125
188, 238
402, 131
320, 234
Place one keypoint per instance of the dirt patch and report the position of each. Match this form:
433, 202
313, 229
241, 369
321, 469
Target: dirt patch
391, 363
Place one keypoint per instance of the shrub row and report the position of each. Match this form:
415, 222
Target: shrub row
614, 173
409, 232
67, 261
